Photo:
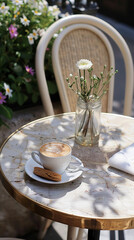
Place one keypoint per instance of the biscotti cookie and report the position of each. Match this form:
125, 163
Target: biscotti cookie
48, 174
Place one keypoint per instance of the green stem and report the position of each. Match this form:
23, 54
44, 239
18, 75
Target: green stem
86, 124
77, 84
83, 120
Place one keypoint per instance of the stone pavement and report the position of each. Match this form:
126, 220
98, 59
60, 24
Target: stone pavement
58, 231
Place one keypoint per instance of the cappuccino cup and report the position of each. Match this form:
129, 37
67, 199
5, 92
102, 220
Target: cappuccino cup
54, 156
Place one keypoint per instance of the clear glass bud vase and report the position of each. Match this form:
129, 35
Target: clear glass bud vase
87, 121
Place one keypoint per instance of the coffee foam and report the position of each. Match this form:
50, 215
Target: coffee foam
55, 149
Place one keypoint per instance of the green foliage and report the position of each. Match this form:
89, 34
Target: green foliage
20, 20
6, 111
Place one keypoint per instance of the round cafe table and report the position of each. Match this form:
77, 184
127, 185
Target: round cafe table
102, 199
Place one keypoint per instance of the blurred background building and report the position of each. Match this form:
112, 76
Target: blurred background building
122, 10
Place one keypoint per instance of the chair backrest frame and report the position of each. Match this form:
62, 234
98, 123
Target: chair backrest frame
101, 25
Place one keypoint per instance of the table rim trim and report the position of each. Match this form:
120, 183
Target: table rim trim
84, 222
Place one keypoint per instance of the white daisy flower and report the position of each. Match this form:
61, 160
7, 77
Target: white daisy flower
33, 3
42, 4
3, 8
40, 32
36, 12
45, 3
35, 34
84, 64
25, 21
55, 11
8, 90
17, 2
15, 16
66, 14
70, 74
16, 13
55, 35
62, 15
31, 39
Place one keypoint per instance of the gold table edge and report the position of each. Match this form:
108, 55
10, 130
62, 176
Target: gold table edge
50, 213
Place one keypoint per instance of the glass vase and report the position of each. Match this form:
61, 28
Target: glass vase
87, 122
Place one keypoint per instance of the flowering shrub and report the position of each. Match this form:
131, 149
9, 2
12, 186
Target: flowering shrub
22, 23
5, 111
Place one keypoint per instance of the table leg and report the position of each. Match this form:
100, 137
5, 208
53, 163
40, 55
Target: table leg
93, 234
71, 235
80, 234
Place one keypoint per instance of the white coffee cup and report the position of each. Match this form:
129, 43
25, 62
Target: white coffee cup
54, 156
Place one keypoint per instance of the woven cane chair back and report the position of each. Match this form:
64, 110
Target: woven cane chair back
81, 41
82, 37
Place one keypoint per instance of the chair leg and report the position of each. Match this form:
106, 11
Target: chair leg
80, 234
71, 234
45, 225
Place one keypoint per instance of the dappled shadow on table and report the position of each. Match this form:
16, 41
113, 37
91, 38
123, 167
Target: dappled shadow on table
101, 188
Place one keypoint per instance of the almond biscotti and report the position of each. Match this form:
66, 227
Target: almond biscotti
47, 174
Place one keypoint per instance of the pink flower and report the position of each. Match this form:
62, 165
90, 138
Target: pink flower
29, 70
2, 98
13, 31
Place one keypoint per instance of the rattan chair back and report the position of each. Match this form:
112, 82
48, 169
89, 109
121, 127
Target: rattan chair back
80, 41
82, 37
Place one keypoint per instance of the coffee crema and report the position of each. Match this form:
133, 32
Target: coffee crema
55, 149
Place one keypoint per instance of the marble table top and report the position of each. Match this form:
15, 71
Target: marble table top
103, 198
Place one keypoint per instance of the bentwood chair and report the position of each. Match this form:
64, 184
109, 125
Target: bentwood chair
82, 37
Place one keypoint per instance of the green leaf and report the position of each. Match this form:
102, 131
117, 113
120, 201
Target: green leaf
3, 123
29, 88
13, 99
35, 97
18, 69
21, 98
10, 76
52, 87
6, 112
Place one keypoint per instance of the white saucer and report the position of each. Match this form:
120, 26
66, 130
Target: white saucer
67, 176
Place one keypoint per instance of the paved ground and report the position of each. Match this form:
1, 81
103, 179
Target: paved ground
58, 231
